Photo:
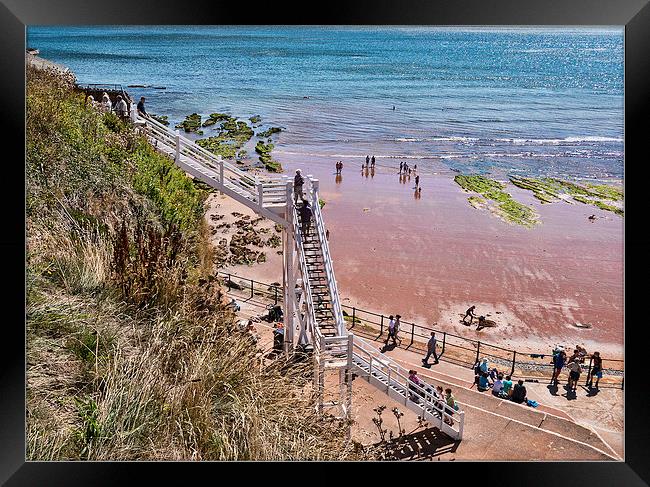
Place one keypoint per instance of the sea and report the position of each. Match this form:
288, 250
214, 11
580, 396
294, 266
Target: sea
530, 101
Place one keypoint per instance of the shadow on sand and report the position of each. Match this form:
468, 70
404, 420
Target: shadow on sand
422, 445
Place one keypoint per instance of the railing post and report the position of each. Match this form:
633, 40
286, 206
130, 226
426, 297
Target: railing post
260, 193
381, 326
177, 158
229, 279
251, 288
461, 424
478, 348
220, 169
444, 340
354, 313
412, 334
275, 292
591, 361
514, 355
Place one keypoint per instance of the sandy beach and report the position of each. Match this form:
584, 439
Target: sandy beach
429, 259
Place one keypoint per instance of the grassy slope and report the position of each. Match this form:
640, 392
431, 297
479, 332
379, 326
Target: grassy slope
131, 354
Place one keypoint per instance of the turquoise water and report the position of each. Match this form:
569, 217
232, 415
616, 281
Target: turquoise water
524, 101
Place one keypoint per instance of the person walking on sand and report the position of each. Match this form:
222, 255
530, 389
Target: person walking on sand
367, 160
401, 165
391, 330
596, 369
470, 313
305, 217
298, 181
431, 349
372, 161
417, 181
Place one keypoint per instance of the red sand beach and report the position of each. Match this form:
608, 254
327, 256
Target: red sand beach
429, 259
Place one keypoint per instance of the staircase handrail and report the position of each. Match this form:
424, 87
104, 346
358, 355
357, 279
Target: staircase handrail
327, 262
303, 271
396, 372
213, 162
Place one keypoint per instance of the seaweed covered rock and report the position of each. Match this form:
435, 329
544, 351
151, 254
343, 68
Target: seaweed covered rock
267, 133
192, 123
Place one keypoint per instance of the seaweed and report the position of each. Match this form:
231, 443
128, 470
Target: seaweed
548, 190
269, 132
255, 119
191, 123
506, 208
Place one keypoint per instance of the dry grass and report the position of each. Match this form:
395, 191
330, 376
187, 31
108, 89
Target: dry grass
131, 352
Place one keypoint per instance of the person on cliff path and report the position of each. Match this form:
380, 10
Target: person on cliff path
470, 313
106, 103
298, 181
391, 330
140, 107
397, 325
431, 349
121, 108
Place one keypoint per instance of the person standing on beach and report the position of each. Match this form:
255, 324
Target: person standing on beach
401, 165
367, 160
417, 181
470, 313
372, 161
431, 349
298, 181
140, 107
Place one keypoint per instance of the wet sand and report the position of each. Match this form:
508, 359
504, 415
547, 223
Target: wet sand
429, 259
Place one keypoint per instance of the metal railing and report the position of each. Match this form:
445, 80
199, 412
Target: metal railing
337, 310
416, 396
466, 351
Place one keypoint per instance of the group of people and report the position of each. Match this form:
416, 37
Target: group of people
370, 162
339, 167
470, 313
573, 363
418, 389
121, 107
486, 379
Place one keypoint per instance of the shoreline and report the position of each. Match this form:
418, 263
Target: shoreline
438, 256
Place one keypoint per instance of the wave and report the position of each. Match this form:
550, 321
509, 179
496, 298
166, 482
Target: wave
586, 138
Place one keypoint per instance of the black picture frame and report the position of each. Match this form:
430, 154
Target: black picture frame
15, 15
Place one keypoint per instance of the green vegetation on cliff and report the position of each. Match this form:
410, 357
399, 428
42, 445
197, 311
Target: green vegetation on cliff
131, 353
